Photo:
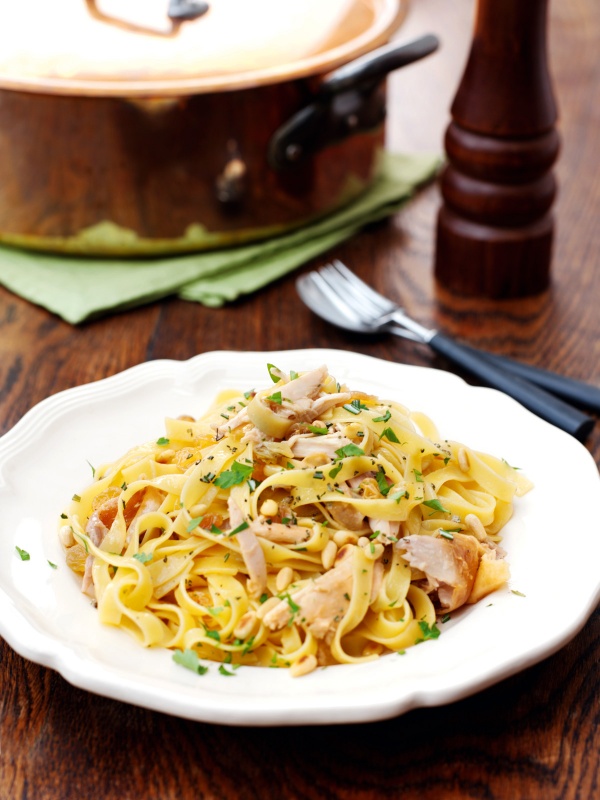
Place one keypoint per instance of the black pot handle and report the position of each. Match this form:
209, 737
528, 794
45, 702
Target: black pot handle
375, 66
347, 101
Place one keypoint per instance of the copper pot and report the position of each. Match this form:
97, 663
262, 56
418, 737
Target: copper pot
127, 130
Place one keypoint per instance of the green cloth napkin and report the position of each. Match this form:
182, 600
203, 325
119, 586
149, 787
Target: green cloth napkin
79, 288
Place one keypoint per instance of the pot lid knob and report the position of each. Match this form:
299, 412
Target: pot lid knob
181, 10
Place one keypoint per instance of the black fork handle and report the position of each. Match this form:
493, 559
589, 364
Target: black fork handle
536, 399
577, 392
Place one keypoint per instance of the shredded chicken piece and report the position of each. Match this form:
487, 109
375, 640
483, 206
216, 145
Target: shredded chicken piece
152, 499
328, 401
320, 604
307, 385
97, 530
307, 410
346, 515
250, 549
450, 565
386, 528
241, 418
253, 435
279, 532
306, 444
100, 521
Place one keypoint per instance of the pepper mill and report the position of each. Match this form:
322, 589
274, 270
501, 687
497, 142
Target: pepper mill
495, 227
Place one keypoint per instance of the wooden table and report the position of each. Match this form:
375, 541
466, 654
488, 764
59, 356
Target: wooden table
534, 735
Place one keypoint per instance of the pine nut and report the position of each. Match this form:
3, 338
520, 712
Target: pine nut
303, 666
284, 577
269, 508
267, 606
476, 525
463, 459
245, 625
66, 537
373, 550
328, 554
345, 537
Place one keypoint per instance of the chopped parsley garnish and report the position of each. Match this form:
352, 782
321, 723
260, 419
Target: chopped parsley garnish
93, 469
349, 450
335, 470
436, 505
519, 594
213, 634
143, 558
274, 373
163, 440
320, 431
224, 671
23, 554
193, 523
215, 529
385, 417
276, 398
76, 498
241, 527
263, 598
52, 564
389, 434
428, 631
382, 483
234, 476
189, 659
294, 607
248, 646
418, 476
397, 496
355, 406
447, 534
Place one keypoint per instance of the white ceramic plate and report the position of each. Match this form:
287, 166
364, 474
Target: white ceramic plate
553, 547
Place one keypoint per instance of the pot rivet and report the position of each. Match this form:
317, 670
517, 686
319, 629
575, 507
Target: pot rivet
293, 152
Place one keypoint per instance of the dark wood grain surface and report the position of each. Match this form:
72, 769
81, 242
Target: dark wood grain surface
534, 735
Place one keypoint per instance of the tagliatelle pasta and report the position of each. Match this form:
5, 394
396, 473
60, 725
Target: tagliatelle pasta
304, 524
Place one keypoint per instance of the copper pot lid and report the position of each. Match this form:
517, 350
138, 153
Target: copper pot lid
133, 47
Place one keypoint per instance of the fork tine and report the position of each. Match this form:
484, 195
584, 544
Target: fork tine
384, 310
322, 285
384, 304
349, 293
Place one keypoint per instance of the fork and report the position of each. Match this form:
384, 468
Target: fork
337, 295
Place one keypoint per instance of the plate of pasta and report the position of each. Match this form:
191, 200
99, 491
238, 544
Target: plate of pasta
293, 537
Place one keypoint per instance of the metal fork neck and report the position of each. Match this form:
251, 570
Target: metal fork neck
420, 332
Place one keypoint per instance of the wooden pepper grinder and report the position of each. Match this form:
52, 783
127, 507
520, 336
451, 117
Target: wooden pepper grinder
494, 233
